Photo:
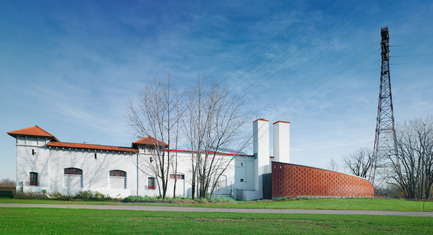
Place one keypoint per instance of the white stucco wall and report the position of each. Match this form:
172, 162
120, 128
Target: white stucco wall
50, 163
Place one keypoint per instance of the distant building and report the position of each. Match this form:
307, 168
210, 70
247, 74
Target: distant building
45, 163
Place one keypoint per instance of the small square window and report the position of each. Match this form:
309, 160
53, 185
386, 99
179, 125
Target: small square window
242, 180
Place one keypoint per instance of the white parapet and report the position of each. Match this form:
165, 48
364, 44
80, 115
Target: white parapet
282, 141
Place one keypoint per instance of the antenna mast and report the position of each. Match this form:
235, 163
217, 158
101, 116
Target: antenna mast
385, 141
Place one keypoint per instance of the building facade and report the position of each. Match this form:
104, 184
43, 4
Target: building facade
45, 164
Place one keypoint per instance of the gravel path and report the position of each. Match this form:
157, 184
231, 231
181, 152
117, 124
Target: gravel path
236, 210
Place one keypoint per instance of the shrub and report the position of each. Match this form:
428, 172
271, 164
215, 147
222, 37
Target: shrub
31, 195
283, 198
60, 197
141, 199
80, 196
223, 200
92, 196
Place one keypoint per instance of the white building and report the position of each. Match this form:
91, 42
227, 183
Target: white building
46, 164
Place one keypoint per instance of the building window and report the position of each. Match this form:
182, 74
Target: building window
73, 178
34, 179
177, 176
242, 180
150, 183
96, 156
73, 171
33, 152
118, 179
118, 173
242, 164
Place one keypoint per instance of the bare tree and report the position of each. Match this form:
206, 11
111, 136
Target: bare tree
360, 162
333, 166
413, 165
157, 116
7, 183
215, 121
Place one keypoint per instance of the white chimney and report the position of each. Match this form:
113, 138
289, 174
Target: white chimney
282, 141
261, 151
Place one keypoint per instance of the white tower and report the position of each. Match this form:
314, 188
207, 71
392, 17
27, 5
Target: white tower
282, 141
261, 152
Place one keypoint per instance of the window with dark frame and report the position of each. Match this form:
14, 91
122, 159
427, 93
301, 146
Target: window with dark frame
34, 179
177, 176
150, 183
73, 171
117, 173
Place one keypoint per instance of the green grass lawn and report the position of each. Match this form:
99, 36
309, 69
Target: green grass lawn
339, 204
321, 204
83, 221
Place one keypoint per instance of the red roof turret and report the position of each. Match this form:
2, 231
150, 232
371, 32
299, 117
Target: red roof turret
32, 131
149, 141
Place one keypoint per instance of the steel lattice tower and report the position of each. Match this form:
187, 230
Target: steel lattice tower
385, 145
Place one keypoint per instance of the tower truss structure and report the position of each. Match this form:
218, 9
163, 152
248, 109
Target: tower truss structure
385, 142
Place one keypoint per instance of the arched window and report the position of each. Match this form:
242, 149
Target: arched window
73, 171
73, 177
117, 179
118, 173
34, 179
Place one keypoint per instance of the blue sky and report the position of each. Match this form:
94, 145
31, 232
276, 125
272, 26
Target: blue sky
70, 66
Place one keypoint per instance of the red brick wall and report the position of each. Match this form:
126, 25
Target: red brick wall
296, 180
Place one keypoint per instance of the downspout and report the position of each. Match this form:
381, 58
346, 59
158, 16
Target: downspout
49, 166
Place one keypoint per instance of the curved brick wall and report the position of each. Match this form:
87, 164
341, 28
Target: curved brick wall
296, 180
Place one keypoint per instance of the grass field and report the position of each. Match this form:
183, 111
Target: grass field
321, 204
82, 221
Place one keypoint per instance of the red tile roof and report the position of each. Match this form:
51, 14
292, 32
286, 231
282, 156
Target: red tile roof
219, 153
91, 146
150, 141
32, 131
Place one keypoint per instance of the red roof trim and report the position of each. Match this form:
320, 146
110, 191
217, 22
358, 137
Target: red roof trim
91, 146
32, 131
261, 119
281, 122
228, 154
